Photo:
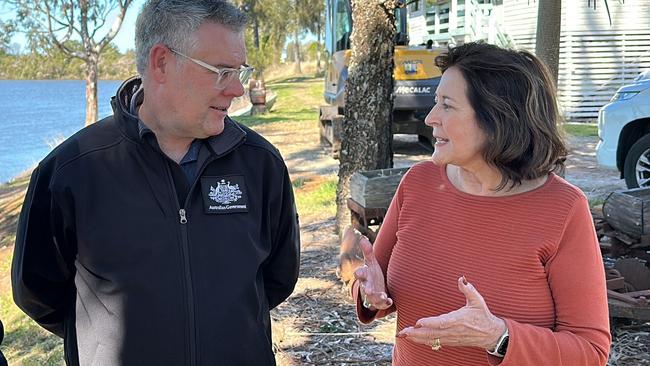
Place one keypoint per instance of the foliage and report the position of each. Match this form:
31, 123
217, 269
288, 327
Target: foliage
52, 63
6, 32
311, 50
266, 35
272, 22
310, 14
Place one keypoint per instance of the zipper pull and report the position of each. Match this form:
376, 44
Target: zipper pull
181, 212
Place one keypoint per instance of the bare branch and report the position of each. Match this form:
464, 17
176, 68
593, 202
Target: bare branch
124, 5
108, 9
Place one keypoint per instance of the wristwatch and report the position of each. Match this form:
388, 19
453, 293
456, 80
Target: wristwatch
501, 347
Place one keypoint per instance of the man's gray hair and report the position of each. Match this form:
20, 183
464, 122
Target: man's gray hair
174, 23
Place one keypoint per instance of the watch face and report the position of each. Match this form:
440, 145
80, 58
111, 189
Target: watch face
503, 347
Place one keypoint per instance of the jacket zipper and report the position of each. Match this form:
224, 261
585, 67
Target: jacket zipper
182, 213
186, 269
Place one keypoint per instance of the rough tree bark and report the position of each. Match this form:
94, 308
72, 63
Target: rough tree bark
366, 141
547, 42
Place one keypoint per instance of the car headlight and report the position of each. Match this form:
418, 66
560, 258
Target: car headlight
624, 95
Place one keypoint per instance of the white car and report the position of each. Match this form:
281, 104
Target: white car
624, 132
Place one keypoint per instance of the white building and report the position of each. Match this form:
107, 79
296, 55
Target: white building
595, 57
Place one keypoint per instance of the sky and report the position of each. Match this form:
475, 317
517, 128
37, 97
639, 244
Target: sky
123, 40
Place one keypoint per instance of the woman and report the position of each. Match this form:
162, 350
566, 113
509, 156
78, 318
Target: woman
485, 254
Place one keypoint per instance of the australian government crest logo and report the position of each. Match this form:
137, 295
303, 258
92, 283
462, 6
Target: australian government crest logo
224, 194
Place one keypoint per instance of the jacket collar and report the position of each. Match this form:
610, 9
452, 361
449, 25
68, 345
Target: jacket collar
131, 91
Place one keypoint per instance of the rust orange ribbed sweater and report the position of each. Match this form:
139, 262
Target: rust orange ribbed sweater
533, 256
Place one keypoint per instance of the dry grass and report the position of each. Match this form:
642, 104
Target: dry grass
317, 325
631, 347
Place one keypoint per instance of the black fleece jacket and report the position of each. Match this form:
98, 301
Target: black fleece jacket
109, 259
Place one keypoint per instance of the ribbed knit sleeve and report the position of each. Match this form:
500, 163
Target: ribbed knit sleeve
577, 281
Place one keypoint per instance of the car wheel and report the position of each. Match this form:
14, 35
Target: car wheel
637, 164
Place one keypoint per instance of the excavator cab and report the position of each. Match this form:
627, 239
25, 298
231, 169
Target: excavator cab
415, 76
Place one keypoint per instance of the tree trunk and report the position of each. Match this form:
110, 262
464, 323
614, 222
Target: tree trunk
256, 27
296, 52
91, 91
366, 141
318, 31
547, 43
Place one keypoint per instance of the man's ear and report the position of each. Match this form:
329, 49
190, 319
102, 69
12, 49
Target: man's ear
160, 61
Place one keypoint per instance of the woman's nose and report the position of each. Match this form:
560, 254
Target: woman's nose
432, 117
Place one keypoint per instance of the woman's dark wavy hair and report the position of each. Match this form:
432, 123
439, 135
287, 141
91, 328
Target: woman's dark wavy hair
513, 96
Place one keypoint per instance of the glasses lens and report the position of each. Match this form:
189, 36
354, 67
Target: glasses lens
245, 74
226, 77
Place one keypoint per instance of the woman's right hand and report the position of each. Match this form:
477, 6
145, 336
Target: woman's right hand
372, 286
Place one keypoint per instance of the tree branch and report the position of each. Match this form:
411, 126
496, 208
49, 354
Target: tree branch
124, 5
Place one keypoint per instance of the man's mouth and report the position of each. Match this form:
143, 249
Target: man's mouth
222, 109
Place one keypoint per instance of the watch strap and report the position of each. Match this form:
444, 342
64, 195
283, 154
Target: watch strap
501, 346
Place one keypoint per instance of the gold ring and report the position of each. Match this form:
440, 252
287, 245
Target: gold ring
367, 304
436, 346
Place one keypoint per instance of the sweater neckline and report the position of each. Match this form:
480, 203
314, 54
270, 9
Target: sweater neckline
443, 172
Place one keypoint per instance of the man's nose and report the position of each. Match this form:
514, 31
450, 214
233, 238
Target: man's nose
234, 88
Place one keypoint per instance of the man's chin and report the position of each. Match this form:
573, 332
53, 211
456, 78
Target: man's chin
216, 128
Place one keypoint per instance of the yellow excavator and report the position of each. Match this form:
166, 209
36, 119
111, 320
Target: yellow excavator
415, 77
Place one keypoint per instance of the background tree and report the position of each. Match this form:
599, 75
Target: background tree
6, 32
549, 25
366, 141
267, 32
547, 41
310, 17
55, 22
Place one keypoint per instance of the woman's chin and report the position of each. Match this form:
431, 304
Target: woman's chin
437, 159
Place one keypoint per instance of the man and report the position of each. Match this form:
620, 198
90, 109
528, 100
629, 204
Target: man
164, 234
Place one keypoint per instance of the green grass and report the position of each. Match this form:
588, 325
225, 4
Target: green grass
25, 342
317, 198
581, 129
297, 100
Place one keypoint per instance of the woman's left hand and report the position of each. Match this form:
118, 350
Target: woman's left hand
473, 325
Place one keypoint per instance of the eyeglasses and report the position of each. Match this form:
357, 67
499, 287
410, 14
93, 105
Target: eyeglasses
224, 75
